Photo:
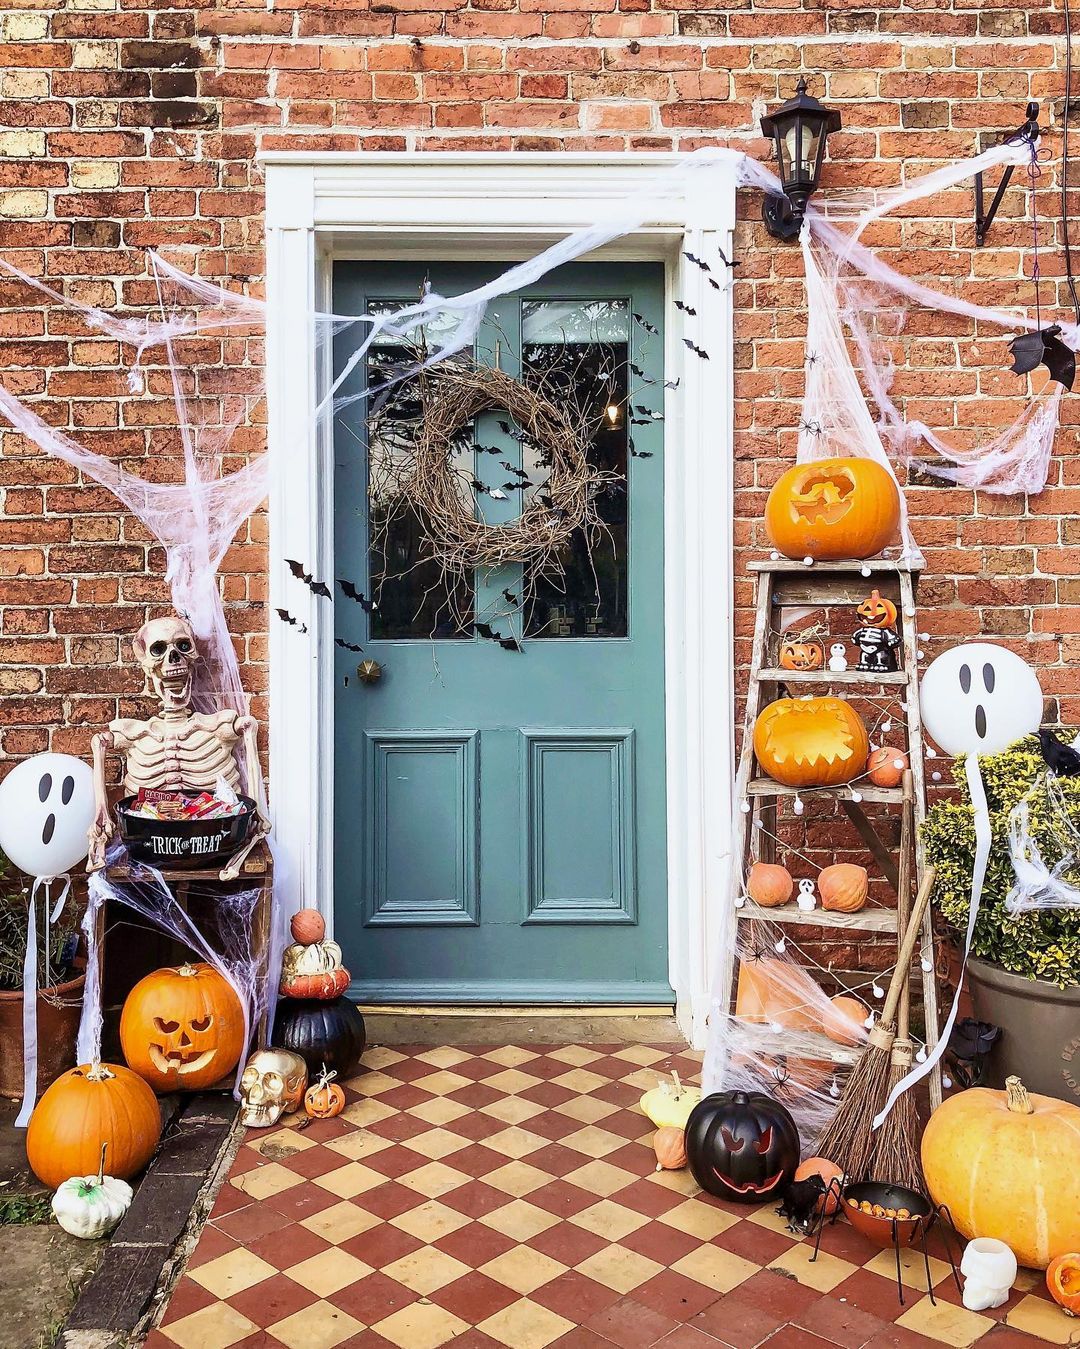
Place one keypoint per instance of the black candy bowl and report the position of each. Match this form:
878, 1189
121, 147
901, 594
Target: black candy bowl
185, 843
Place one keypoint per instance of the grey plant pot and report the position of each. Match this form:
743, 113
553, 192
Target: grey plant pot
1041, 1029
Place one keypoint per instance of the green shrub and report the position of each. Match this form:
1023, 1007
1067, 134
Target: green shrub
1039, 944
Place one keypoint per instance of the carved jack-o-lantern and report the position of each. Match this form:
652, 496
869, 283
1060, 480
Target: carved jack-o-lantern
876, 611
182, 1028
811, 742
742, 1146
830, 509
796, 655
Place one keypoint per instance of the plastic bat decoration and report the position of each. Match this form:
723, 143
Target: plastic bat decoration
1044, 347
286, 617
507, 643
351, 592
643, 411
698, 351
510, 431
316, 587
347, 646
649, 327
686, 309
509, 596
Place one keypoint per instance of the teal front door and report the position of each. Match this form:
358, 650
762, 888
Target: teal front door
500, 814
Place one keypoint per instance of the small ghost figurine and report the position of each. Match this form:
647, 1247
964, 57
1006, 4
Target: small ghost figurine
838, 656
989, 1270
806, 899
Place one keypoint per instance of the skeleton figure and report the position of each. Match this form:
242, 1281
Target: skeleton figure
272, 1085
179, 748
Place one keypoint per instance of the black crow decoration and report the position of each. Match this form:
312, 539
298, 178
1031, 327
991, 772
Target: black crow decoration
1044, 347
1062, 760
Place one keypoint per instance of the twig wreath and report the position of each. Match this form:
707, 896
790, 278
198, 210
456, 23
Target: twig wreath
418, 471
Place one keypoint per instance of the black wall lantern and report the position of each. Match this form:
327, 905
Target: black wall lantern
799, 129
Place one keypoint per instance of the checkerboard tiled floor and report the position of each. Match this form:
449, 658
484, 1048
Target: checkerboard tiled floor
508, 1197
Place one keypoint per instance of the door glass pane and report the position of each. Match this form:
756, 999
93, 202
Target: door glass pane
579, 349
415, 598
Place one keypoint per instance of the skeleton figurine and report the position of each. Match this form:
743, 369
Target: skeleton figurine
179, 748
272, 1085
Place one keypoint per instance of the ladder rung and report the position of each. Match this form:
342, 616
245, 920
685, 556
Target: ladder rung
767, 787
784, 564
871, 920
774, 674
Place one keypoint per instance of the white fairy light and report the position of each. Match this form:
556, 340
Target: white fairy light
924, 636
865, 571
869, 1022
931, 753
920, 1057
834, 1089
774, 556
936, 776
740, 901
877, 990
946, 1081
808, 561
797, 805
745, 807
780, 947
776, 1027
926, 965
856, 796
886, 726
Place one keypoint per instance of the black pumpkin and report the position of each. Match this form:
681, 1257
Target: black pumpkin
330, 1033
742, 1146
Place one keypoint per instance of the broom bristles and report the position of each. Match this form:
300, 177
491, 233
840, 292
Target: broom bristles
848, 1141
894, 1155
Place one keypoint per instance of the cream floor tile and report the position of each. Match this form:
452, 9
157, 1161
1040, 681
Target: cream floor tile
264, 1181
945, 1322
619, 1268
341, 1222
682, 1182
642, 1055
437, 1144
715, 1268
438, 1111
519, 1220
642, 1079
600, 1178
374, 1084
1027, 1280
422, 1325
698, 1219
517, 1179
350, 1180
525, 1325
765, 1215
593, 1141
434, 1179
510, 1056
512, 1081
576, 1055
523, 1269
824, 1273
380, 1056
319, 1326
442, 1083
445, 1056
366, 1112
270, 1144
580, 1080
609, 1220
232, 1273
1036, 1316
215, 1327
428, 1222
512, 1109
328, 1272
426, 1270
358, 1144
912, 1268
587, 1109
515, 1142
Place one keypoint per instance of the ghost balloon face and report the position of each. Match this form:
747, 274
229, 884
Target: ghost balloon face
979, 698
46, 806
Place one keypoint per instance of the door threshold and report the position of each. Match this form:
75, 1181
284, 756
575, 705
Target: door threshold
520, 1010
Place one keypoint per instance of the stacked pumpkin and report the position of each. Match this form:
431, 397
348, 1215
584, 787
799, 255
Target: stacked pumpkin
314, 1019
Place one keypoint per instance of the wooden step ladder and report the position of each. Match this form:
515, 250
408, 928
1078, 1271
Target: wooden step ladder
785, 585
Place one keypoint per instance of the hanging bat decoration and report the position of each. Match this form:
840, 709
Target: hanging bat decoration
686, 309
640, 374
648, 413
351, 592
316, 587
507, 643
698, 351
286, 617
508, 430
635, 453
1044, 347
346, 646
649, 327
509, 596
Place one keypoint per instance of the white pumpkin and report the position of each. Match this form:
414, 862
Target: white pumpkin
91, 1206
668, 1104
320, 957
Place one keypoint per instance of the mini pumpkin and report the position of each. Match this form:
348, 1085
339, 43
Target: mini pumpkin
796, 655
844, 1020
742, 1146
1063, 1281
876, 611
831, 509
324, 1098
886, 766
182, 1028
669, 1144
843, 887
313, 970
668, 1104
769, 884
307, 926
811, 742
90, 1207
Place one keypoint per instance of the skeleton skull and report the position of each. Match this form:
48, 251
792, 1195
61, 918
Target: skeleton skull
272, 1085
165, 648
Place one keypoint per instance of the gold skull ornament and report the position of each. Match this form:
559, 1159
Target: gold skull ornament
272, 1085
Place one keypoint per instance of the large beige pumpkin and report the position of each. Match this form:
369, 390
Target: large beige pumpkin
1006, 1164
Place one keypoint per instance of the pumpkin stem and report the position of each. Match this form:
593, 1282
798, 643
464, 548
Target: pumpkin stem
99, 1073
1017, 1098
186, 970
101, 1168
678, 1083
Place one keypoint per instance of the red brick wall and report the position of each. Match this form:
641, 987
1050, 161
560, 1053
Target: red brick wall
125, 127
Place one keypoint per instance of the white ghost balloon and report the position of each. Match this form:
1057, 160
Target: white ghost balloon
979, 698
46, 807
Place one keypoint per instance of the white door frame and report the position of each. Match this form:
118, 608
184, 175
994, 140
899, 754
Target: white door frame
321, 206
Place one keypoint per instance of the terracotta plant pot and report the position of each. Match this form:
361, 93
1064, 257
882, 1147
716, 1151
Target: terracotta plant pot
59, 1010
1040, 1026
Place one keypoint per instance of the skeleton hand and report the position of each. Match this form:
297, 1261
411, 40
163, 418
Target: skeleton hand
102, 828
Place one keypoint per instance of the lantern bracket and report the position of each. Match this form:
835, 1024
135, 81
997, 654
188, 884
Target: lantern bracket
984, 216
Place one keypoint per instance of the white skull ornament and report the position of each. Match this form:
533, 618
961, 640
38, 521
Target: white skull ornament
272, 1085
165, 648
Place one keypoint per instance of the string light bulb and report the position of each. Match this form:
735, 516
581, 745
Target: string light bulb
834, 1089
613, 414
797, 805
780, 947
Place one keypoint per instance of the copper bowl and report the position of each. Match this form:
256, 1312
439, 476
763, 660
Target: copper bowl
882, 1231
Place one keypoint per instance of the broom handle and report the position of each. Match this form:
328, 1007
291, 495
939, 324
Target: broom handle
907, 949
903, 897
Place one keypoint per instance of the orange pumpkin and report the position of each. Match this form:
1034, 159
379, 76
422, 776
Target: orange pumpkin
182, 1028
830, 509
1063, 1281
669, 1144
795, 655
876, 611
85, 1108
307, 926
828, 1171
843, 1020
1005, 1163
775, 992
769, 885
324, 1098
843, 887
811, 742
886, 766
